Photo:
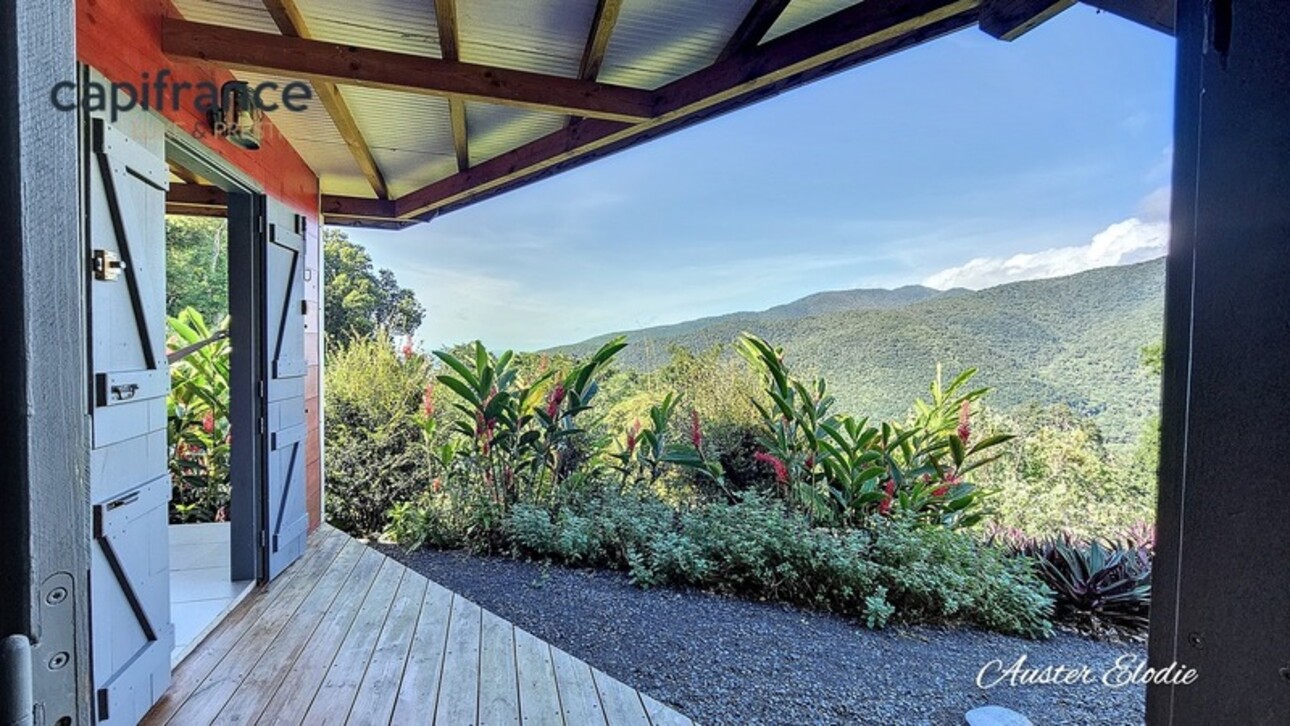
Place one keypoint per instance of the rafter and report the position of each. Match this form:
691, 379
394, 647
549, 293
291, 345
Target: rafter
1011, 19
602, 26
339, 63
449, 47
842, 40
754, 27
291, 23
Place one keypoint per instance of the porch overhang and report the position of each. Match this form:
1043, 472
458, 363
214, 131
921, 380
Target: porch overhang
425, 110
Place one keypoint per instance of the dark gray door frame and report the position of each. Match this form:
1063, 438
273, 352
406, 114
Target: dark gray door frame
44, 522
1221, 597
246, 223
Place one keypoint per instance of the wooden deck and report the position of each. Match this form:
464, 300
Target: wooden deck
348, 635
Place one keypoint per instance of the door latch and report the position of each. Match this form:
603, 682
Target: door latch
107, 266
124, 391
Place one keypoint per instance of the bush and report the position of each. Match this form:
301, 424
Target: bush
374, 447
890, 570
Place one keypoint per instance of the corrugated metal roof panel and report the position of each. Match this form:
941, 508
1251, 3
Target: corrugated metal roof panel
314, 136
804, 12
541, 36
655, 43
410, 135
495, 130
401, 26
243, 14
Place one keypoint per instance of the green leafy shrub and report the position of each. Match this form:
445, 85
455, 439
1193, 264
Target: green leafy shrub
197, 422
374, 442
890, 570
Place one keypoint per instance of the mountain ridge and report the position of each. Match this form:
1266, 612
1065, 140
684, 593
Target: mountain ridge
1074, 340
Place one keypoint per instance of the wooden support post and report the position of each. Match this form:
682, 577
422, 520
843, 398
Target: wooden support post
44, 523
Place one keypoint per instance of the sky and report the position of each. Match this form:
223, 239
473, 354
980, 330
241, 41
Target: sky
965, 162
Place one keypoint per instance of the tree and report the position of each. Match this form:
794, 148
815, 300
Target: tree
358, 299
197, 266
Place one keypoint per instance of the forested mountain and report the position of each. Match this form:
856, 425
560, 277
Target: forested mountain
1074, 340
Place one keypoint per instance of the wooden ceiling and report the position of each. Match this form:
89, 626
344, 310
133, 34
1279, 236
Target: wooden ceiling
601, 117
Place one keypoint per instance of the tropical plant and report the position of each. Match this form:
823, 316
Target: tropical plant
1097, 586
841, 470
197, 419
522, 439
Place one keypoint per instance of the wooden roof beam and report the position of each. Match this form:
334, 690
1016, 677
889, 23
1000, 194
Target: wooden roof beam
291, 23
1011, 19
449, 47
339, 63
1155, 14
842, 40
754, 26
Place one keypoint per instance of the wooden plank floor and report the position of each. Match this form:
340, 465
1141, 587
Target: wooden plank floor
349, 636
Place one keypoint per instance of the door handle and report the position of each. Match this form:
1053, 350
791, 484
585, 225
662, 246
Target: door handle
125, 391
130, 498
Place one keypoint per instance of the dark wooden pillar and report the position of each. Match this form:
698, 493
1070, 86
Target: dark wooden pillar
44, 534
1221, 601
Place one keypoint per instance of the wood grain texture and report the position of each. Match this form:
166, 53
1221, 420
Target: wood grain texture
622, 703
579, 701
336, 63
350, 636
1011, 19
498, 687
458, 699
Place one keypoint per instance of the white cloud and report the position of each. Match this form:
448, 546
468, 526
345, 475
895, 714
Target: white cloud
1122, 243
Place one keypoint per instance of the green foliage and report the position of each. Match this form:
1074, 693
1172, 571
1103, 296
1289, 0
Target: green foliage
841, 470
197, 422
1098, 586
1071, 340
197, 266
359, 300
517, 439
890, 570
373, 437
1059, 474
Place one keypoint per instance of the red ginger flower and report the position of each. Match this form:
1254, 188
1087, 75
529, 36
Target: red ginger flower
781, 469
940, 491
632, 434
407, 348
554, 399
965, 422
696, 429
884, 506
208, 422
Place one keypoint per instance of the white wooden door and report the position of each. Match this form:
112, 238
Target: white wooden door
131, 630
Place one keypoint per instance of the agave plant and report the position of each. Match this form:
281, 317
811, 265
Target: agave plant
1096, 584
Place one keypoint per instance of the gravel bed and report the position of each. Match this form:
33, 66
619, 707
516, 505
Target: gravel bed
723, 660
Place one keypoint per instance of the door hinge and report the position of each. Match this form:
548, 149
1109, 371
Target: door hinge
264, 538
304, 307
264, 426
